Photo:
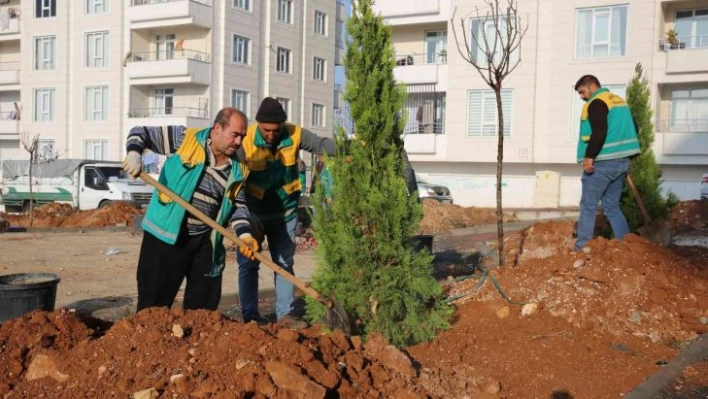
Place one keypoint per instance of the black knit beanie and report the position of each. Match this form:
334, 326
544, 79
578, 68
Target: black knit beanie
271, 111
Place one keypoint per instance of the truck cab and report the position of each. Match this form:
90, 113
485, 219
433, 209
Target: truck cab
103, 183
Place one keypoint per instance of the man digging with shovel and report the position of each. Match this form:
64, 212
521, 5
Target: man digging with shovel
606, 142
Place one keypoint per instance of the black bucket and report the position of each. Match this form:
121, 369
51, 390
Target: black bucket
422, 241
25, 292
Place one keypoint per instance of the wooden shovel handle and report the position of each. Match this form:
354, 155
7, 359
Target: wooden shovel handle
637, 198
231, 236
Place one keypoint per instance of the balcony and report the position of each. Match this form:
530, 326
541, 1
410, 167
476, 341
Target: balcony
179, 67
144, 14
9, 126
184, 116
422, 69
413, 11
11, 31
683, 136
686, 55
9, 76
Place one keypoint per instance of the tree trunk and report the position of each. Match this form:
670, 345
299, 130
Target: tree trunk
500, 157
31, 199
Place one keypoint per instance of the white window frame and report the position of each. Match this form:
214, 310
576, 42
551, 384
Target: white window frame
165, 46
694, 40
318, 112
577, 106
243, 51
319, 69
320, 24
597, 12
96, 103
283, 56
488, 98
94, 146
45, 9
45, 149
97, 49
693, 111
285, 102
97, 6
44, 103
245, 98
478, 52
244, 5
285, 11
161, 97
45, 53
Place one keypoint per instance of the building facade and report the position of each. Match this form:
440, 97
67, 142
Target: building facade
451, 134
80, 74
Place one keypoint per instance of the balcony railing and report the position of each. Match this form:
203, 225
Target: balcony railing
145, 2
171, 55
682, 126
10, 115
685, 42
421, 59
424, 128
191, 112
9, 66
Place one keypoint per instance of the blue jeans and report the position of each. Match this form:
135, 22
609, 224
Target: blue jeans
605, 184
281, 241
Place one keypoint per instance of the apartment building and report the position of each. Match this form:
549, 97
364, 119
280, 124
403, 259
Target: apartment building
452, 124
82, 73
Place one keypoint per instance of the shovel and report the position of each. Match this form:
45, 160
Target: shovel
335, 316
652, 230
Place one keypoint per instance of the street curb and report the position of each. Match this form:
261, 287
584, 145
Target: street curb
653, 385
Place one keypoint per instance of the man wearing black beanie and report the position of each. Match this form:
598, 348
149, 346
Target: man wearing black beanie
270, 150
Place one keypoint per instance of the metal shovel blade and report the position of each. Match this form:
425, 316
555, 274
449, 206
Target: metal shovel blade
656, 231
336, 318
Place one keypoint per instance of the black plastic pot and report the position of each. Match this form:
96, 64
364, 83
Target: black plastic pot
25, 292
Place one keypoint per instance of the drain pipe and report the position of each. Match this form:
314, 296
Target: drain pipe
535, 85
222, 63
69, 96
265, 56
303, 66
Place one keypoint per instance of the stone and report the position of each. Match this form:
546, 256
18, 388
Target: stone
529, 309
587, 250
704, 320
629, 283
636, 318
490, 386
578, 263
150, 393
174, 378
177, 331
44, 366
290, 379
503, 312
593, 274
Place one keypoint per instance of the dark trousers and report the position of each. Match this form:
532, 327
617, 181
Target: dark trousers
162, 268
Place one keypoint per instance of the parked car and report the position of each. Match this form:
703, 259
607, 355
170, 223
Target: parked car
704, 187
433, 191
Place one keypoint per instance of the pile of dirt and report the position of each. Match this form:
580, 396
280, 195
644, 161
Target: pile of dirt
118, 213
439, 217
688, 216
199, 354
624, 287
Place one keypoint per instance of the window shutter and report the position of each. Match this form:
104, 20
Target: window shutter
507, 109
474, 113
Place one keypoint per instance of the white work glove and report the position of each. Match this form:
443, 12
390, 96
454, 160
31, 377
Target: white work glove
133, 164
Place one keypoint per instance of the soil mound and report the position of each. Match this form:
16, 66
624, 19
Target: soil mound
198, 354
439, 217
632, 286
118, 213
688, 216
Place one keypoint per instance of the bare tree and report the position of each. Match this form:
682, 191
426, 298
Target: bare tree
493, 50
30, 142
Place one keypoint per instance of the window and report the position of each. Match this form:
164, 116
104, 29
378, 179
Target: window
601, 32
285, 11
165, 46
436, 47
45, 8
339, 39
44, 105
96, 149
482, 120
45, 150
285, 102
692, 27
283, 61
242, 4
96, 103
485, 32
241, 49
44, 52
578, 103
164, 101
320, 69
689, 111
320, 23
239, 100
97, 50
318, 115
97, 6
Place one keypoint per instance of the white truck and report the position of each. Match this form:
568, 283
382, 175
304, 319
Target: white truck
85, 184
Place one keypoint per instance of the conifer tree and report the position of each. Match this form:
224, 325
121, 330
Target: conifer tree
363, 234
644, 170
